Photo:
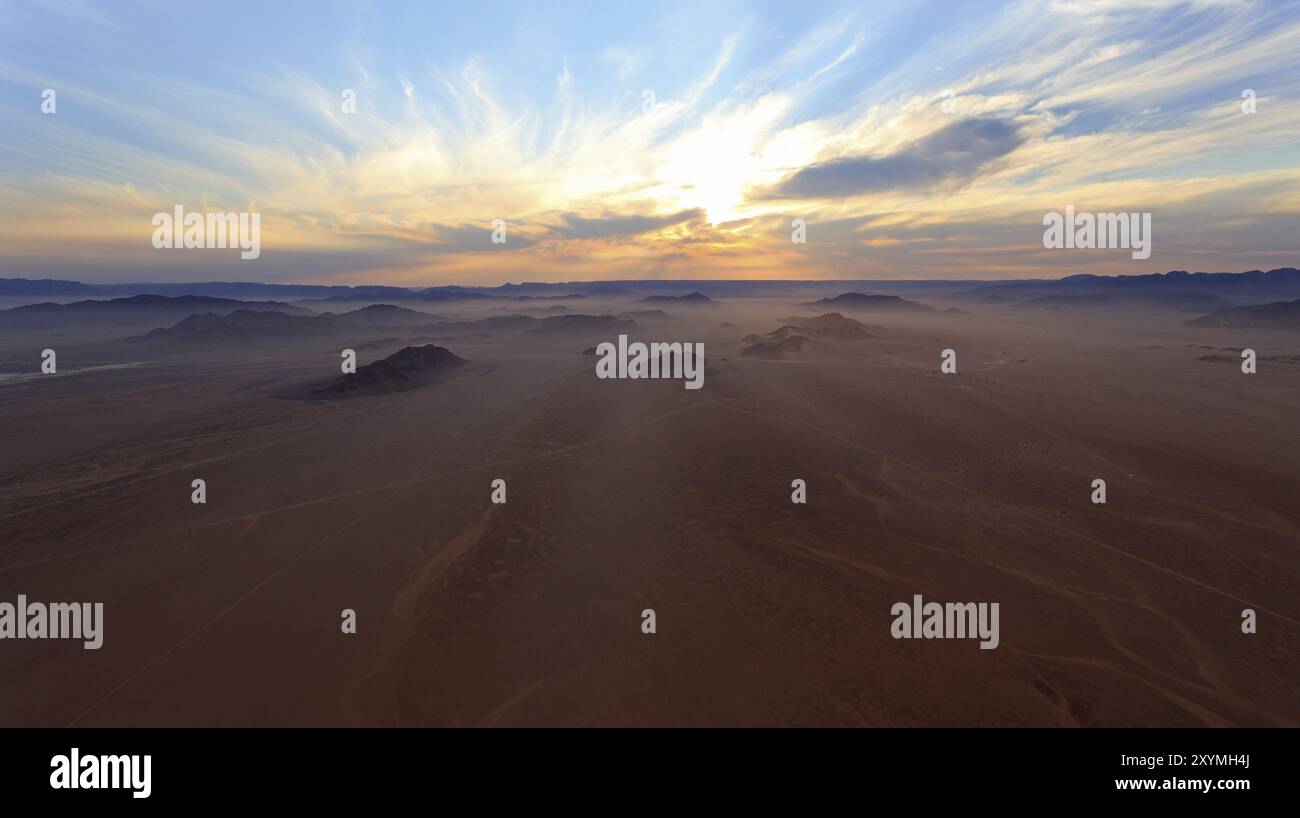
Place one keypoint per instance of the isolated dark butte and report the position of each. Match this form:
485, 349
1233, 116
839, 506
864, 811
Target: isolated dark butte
409, 367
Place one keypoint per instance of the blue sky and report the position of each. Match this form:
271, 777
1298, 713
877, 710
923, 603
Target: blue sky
535, 113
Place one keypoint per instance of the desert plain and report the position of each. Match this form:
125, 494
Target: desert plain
627, 495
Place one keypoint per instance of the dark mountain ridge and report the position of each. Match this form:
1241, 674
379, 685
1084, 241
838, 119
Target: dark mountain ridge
136, 310
562, 324
1178, 288
865, 301
1277, 315
248, 325
695, 299
386, 315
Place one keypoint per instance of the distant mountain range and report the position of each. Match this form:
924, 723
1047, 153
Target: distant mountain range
135, 311
645, 315
1277, 315
576, 323
248, 326
585, 324
221, 289
1175, 290
1237, 288
696, 299
386, 315
1059, 301
865, 302
196, 320
243, 326
1175, 300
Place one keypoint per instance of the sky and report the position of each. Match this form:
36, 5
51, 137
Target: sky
646, 140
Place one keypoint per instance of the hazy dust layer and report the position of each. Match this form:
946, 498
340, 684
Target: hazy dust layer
626, 495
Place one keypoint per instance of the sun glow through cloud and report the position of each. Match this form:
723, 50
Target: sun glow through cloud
756, 115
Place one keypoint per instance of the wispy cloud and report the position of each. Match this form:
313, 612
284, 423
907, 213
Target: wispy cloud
757, 115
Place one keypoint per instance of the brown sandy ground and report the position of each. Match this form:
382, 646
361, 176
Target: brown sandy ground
625, 495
